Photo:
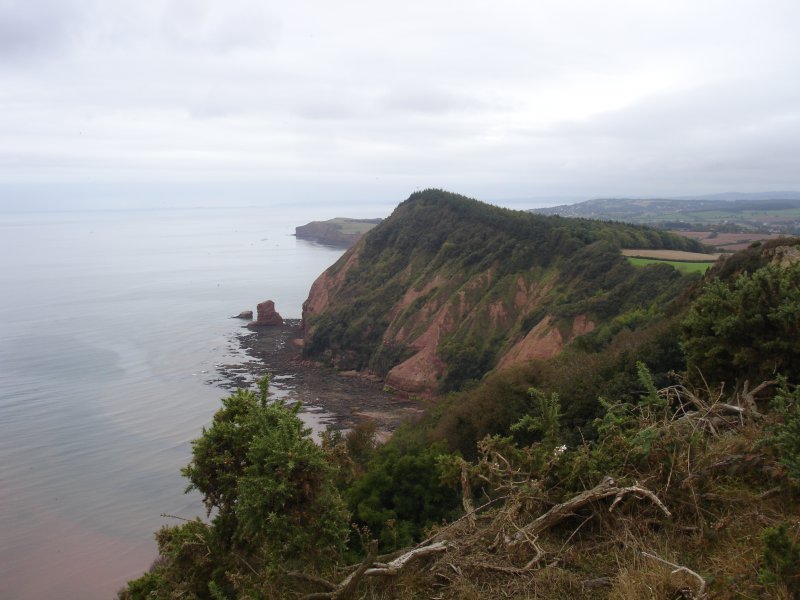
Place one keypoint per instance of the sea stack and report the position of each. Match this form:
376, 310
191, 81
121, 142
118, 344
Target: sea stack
245, 314
267, 317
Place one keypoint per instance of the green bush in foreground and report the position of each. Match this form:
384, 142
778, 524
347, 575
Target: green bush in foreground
749, 327
275, 506
781, 559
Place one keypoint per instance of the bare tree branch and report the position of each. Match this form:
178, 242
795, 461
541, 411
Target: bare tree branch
395, 566
701, 590
605, 489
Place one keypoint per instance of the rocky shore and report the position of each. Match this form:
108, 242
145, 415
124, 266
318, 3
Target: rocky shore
343, 398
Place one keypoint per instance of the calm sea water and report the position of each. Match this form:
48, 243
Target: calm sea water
111, 328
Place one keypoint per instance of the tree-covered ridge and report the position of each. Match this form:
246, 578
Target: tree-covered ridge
481, 278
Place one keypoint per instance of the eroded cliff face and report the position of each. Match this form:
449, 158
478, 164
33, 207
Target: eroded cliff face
448, 288
422, 332
326, 284
424, 316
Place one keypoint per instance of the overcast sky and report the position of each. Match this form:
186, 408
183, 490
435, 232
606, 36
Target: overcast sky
353, 101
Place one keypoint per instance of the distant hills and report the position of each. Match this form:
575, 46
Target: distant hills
768, 212
744, 196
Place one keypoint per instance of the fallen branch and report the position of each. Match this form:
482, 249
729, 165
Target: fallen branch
639, 491
509, 570
747, 400
701, 591
426, 541
397, 565
605, 489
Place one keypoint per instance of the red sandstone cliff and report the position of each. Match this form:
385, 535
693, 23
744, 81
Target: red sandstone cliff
456, 302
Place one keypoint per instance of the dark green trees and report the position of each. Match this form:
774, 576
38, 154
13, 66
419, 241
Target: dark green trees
749, 327
270, 490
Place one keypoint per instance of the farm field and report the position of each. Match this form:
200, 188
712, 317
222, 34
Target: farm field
728, 242
676, 255
682, 266
757, 217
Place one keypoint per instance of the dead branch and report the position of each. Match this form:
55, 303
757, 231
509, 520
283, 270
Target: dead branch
605, 489
701, 588
709, 411
346, 587
397, 565
426, 541
638, 491
168, 516
511, 570
747, 400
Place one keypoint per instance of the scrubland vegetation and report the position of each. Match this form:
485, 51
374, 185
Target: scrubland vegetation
657, 456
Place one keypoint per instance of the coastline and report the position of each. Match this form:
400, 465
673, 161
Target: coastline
344, 399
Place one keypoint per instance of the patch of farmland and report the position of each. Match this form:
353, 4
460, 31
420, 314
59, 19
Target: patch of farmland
670, 255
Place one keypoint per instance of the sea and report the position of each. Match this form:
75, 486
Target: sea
113, 328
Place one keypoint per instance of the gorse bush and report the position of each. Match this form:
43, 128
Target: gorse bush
785, 433
401, 494
271, 492
781, 559
749, 326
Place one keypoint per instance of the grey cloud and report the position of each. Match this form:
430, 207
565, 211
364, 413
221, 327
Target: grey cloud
420, 93
325, 109
30, 30
416, 98
719, 108
219, 27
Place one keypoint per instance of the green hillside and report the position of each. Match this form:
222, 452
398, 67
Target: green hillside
448, 288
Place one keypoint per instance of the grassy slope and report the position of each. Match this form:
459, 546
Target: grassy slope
683, 266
